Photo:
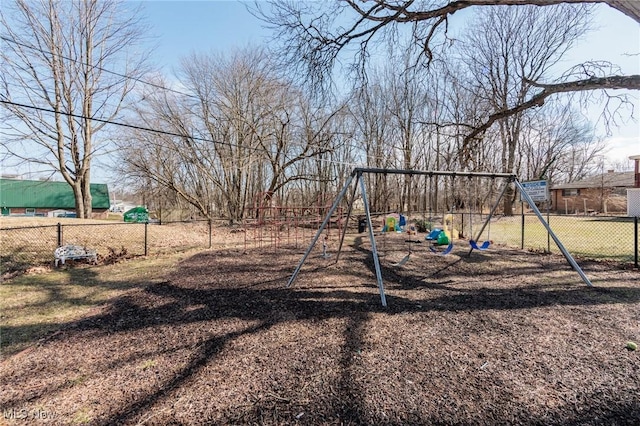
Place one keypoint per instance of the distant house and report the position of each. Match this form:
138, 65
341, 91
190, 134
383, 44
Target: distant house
45, 198
636, 160
604, 193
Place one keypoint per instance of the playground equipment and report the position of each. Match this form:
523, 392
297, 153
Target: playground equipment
444, 236
394, 223
390, 224
271, 225
475, 246
473, 241
403, 261
358, 173
411, 230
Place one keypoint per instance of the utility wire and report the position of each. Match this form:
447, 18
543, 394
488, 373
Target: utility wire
139, 80
164, 132
157, 86
131, 126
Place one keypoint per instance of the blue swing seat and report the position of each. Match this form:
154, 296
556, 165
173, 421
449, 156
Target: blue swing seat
443, 252
484, 245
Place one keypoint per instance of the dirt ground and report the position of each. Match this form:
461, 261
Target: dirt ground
500, 337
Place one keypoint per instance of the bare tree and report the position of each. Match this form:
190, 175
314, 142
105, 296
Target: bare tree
557, 144
234, 140
406, 109
315, 35
507, 49
59, 85
369, 108
174, 161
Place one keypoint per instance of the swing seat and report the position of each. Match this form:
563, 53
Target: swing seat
484, 245
443, 252
403, 261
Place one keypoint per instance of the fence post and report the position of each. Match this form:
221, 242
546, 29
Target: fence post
522, 226
146, 238
210, 232
635, 239
59, 234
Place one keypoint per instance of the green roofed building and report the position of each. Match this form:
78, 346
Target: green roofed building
44, 198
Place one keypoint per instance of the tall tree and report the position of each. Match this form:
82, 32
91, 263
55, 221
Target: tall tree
67, 71
234, 140
315, 35
503, 60
558, 144
369, 108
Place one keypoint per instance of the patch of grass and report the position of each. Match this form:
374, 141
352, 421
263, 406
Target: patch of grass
610, 238
147, 364
82, 417
78, 380
33, 306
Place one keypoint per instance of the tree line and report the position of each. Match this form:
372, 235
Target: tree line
244, 131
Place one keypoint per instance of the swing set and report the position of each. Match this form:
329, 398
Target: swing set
357, 175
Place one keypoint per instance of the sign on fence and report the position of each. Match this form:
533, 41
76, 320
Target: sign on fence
137, 214
538, 190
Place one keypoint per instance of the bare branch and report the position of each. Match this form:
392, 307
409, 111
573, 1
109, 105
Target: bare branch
54, 56
314, 39
631, 82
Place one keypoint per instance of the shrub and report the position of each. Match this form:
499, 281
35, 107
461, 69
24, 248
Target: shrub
423, 225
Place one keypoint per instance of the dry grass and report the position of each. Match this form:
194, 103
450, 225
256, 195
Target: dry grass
593, 237
32, 241
39, 302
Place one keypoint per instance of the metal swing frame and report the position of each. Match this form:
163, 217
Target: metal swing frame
357, 174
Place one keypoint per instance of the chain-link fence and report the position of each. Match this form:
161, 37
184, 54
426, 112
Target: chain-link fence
591, 237
613, 238
27, 246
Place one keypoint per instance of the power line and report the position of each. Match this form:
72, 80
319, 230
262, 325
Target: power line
157, 86
139, 80
162, 132
126, 77
130, 126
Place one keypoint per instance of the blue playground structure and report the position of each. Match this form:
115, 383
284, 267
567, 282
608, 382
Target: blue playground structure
433, 235
440, 238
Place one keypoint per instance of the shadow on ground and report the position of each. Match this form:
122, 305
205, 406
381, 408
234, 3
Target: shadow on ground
222, 341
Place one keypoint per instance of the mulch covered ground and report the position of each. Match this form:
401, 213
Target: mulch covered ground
501, 337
